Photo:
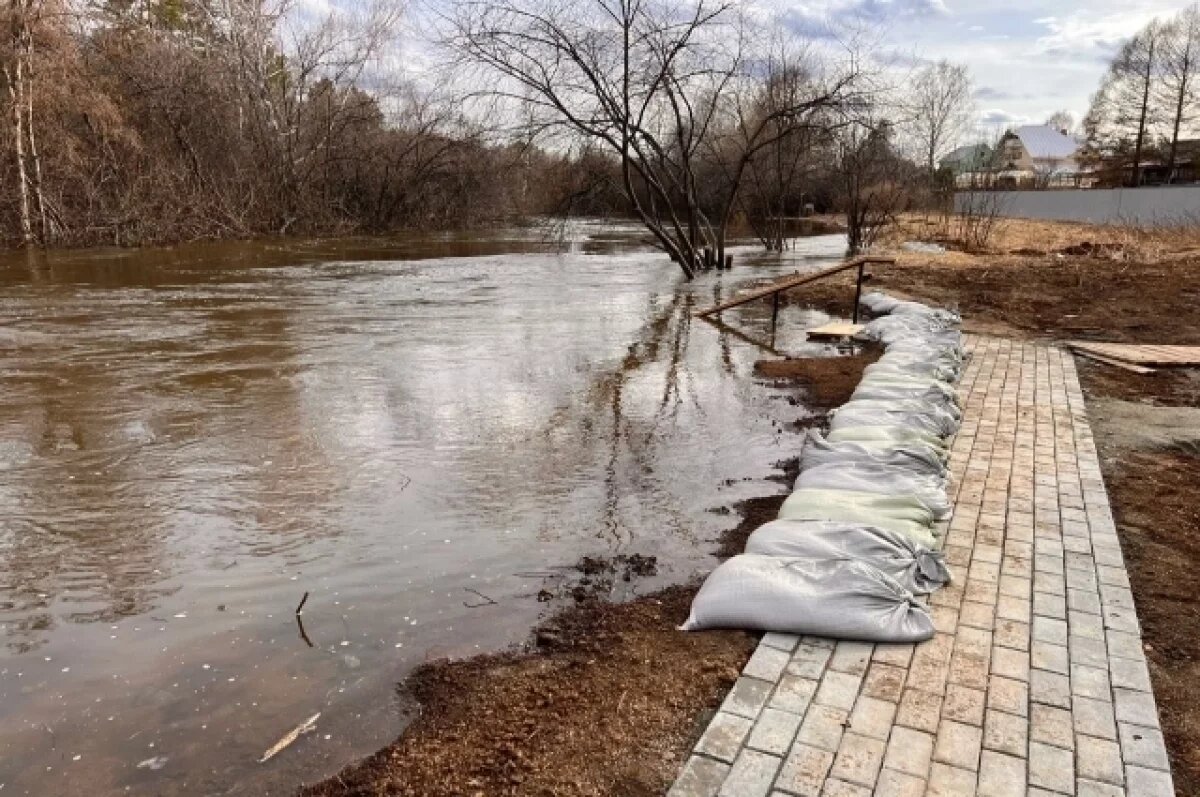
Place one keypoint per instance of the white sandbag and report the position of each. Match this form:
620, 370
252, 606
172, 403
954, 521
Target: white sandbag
920, 459
915, 567
863, 477
905, 405
836, 598
941, 424
904, 514
887, 436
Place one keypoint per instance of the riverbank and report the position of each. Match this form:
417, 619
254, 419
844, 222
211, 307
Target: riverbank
605, 698
1082, 282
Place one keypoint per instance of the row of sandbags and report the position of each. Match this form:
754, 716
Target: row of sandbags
856, 541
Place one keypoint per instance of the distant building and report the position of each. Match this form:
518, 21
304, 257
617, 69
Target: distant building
967, 160
1037, 156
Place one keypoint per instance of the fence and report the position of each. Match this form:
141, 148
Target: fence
1164, 205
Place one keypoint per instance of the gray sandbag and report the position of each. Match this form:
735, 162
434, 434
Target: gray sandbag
915, 567
933, 394
916, 406
887, 436
904, 514
920, 459
864, 477
837, 598
942, 424
878, 303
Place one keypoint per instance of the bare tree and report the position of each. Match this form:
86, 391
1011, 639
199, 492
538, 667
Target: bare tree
1180, 72
875, 182
1061, 120
657, 84
1123, 112
942, 111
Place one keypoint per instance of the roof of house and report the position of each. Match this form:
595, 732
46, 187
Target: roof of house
1043, 141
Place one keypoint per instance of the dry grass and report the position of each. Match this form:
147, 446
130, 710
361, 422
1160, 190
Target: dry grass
1031, 237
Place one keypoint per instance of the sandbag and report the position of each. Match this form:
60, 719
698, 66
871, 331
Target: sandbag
904, 514
837, 598
865, 477
941, 424
915, 567
920, 459
887, 435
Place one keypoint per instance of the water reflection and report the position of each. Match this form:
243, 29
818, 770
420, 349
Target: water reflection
191, 439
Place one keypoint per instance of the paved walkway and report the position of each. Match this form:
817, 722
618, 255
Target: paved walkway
1035, 684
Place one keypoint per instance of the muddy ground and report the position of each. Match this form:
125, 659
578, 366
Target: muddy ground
606, 698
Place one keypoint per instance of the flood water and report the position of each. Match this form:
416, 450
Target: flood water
191, 439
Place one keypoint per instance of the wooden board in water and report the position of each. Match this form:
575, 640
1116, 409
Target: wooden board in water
835, 330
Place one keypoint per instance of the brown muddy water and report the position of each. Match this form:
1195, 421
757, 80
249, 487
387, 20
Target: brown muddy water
192, 438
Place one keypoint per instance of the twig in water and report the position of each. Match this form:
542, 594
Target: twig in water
290, 736
303, 601
486, 600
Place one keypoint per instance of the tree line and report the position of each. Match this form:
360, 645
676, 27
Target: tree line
1146, 105
142, 121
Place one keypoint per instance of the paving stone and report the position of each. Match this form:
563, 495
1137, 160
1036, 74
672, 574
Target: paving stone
766, 663
793, 693
1049, 656
1049, 629
858, 759
723, 737
700, 777
1010, 663
919, 710
1090, 682
840, 788
897, 784
1135, 707
1050, 725
1051, 767
1143, 747
872, 717
1093, 788
898, 655
964, 704
958, 744
1005, 694
809, 659
1125, 645
851, 657
823, 727
1088, 651
1000, 775
1130, 674
1006, 733
747, 697
1012, 634
909, 751
1099, 759
884, 681
1050, 687
804, 771
1094, 717
948, 781
785, 642
751, 775
1148, 783
838, 690
773, 731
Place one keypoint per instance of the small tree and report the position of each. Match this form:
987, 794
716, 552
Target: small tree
942, 112
1180, 72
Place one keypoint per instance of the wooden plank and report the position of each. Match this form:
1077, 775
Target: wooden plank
1149, 354
1100, 358
789, 282
835, 330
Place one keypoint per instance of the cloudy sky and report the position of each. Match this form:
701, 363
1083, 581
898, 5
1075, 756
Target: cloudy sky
1028, 58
